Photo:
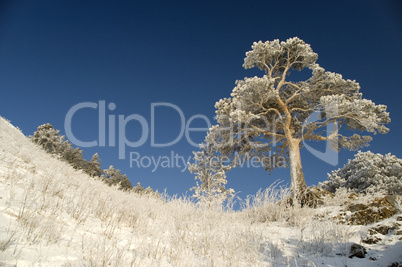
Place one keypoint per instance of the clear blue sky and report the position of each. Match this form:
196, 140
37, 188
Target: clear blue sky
56, 54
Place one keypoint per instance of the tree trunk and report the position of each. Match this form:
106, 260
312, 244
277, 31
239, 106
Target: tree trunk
297, 182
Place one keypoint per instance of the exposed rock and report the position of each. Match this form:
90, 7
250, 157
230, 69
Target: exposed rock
399, 219
383, 229
356, 207
371, 240
379, 209
380, 229
387, 201
396, 226
358, 251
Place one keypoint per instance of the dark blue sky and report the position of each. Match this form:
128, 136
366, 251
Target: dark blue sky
56, 54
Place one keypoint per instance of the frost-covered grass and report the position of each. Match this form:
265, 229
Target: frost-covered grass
53, 215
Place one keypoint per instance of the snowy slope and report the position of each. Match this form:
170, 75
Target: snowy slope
53, 215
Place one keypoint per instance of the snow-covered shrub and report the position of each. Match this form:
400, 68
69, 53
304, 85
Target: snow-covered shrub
368, 172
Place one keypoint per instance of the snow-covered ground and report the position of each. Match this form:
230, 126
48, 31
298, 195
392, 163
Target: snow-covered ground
53, 215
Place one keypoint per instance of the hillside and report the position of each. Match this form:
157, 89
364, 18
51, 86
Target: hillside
53, 215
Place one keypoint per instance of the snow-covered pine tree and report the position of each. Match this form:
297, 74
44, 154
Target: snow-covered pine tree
368, 172
48, 138
94, 166
210, 170
138, 189
113, 176
269, 114
74, 156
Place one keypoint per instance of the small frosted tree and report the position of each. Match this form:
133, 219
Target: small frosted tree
113, 176
48, 138
210, 170
138, 189
268, 115
74, 156
94, 166
368, 171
